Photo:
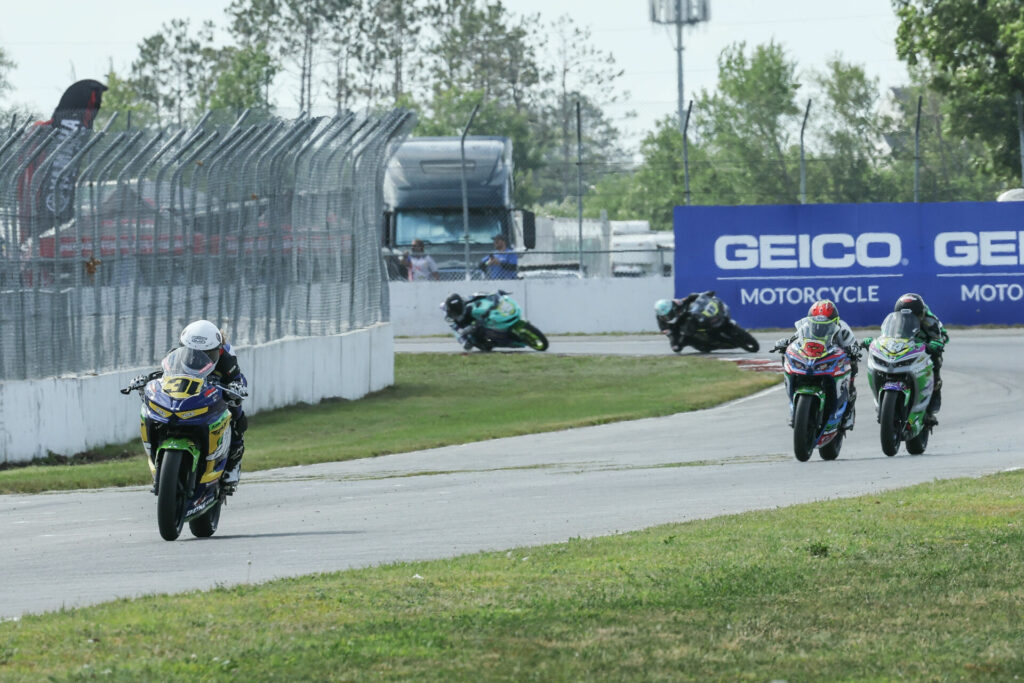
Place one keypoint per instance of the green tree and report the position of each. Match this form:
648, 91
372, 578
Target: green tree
242, 79
749, 125
12, 116
585, 74
484, 48
848, 135
6, 64
971, 52
123, 96
150, 71
948, 168
653, 190
293, 29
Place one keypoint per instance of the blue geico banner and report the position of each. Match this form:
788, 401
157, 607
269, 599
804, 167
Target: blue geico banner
770, 263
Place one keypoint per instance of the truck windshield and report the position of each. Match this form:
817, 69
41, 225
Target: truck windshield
445, 226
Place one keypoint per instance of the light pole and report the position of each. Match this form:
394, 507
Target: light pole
680, 13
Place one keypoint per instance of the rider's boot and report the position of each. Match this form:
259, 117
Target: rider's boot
851, 409
933, 405
466, 337
233, 468
676, 343
848, 417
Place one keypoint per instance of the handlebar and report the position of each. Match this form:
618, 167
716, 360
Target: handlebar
141, 381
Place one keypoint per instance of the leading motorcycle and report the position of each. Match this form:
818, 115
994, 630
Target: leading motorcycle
902, 378
818, 376
706, 326
185, 429
486, 321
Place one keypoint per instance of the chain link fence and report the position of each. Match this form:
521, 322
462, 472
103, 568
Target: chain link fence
110, 242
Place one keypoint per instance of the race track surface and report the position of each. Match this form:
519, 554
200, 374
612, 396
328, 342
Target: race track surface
71, 549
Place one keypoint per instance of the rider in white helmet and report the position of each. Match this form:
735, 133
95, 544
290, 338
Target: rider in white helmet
204, 336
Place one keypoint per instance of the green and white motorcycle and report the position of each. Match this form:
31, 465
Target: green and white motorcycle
902, 378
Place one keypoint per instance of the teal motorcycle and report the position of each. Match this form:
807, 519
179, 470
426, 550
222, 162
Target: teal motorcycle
902, 378
486, 321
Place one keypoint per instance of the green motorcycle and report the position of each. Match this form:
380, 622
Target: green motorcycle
487, 321
902, 378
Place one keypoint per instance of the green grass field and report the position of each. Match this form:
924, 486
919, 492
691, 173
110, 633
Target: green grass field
921, 584
437, 400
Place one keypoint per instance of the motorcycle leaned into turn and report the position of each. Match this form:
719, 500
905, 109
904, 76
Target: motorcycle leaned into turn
487, 321
818, 376
185, 426
902, 378
706, 326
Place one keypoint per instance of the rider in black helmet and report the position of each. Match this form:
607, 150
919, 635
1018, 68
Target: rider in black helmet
934, 336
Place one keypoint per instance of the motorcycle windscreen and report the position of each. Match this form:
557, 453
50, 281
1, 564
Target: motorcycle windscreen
185, 362
901, 324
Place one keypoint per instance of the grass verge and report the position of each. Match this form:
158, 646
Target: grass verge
921, 583
438, 400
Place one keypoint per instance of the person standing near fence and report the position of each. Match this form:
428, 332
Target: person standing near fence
501, 264
419, 264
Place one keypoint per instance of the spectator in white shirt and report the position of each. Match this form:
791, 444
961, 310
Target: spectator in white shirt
419, 264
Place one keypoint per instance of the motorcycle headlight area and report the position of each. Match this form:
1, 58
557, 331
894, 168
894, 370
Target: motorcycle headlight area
879, 360
181, 415
797, 365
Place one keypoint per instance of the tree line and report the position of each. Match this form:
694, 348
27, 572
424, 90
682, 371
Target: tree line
438, 57
965, 64
443, 57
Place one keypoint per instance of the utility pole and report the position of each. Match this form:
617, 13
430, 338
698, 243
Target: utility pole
680, 13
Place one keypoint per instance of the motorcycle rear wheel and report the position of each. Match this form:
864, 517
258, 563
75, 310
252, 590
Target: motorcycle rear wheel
889, 413
206, 525
917, 445
170, 502
805, 426
830, 451
532, 337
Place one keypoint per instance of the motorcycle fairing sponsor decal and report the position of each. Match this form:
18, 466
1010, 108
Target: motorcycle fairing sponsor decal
181, 387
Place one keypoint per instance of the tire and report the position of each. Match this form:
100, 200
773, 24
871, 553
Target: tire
917, 445
206, 526
891, 419
532, 337
805, 426
744, 339
170, 502
830, 451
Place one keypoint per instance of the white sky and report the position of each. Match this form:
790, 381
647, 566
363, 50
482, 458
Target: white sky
60, 41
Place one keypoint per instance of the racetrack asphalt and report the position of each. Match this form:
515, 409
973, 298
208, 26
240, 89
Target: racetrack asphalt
80, 548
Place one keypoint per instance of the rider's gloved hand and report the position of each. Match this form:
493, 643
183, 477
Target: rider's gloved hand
140, 381
781, 344
866, 342
935, 346
234, 393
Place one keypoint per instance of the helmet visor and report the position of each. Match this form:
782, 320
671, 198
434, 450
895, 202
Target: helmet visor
818, 327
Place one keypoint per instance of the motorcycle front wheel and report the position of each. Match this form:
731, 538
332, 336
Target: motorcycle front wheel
170, 502
805, 425
744, 339
532, 337
889, 415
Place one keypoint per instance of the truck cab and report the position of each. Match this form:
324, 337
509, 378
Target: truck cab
423, 199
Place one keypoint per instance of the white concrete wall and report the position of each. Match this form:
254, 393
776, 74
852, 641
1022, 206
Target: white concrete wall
68, 415
556, 306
